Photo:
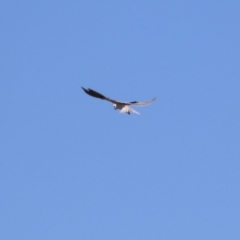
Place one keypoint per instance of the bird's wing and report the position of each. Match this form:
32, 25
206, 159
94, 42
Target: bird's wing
142, 104
94, 93
99, 95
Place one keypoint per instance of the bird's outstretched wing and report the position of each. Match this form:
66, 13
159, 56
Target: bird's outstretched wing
142, 104
99, 95
94, 93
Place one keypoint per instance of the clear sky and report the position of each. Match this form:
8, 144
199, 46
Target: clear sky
73, 168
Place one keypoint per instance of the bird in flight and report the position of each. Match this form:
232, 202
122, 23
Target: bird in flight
124, 107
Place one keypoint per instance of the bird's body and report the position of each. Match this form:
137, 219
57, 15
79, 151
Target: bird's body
127, 109
124, 107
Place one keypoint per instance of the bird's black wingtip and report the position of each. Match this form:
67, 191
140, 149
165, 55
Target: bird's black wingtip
93, 93
85, 90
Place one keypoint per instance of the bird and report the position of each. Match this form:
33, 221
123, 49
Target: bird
124, 107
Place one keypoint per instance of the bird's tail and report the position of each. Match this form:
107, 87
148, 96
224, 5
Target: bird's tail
133, 111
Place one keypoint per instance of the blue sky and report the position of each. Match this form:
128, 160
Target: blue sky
73, 168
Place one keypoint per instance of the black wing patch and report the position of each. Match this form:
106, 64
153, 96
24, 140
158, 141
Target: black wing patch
94, 93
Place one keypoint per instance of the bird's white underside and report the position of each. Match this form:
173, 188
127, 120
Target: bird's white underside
124, 108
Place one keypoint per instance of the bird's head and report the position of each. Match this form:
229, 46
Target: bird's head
115, 106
